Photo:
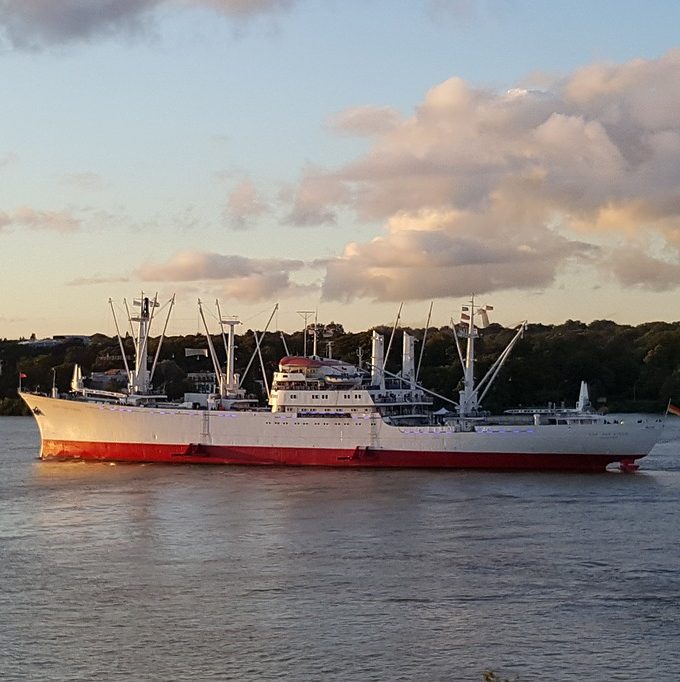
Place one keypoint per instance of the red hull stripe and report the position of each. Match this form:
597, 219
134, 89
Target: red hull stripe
358, 457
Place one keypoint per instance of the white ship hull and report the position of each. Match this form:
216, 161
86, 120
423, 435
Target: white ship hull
72, 429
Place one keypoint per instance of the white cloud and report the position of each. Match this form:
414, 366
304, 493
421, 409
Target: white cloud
244, 205
264, 286
481, 190
316, 198
32, 219
249, 279
441, 254
365, 120
204, 265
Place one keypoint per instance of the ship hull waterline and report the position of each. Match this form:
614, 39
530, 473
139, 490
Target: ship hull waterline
105, 432
317, 457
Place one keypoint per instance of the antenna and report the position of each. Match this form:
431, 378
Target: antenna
304, 314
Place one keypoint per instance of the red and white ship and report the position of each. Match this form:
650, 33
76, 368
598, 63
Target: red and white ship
325, 412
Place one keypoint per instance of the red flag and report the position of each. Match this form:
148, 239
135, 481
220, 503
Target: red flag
23, 376
673, 409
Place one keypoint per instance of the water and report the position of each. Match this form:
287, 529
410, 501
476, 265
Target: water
137, 572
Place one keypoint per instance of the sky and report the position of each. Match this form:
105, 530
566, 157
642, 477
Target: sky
338, 156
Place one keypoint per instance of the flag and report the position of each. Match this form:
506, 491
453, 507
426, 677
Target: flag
673, 409
466, 309
25, 376
464, 317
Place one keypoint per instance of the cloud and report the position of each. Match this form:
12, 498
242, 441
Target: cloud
249, 279
203, 265
186, 219
316, 198
32, 219
32, 24
244, 204
264, 286
468, 11
480, 189
365, 120
440, 254
86, 180
29, 24
246, 8
633, 267
8, 159
96, 279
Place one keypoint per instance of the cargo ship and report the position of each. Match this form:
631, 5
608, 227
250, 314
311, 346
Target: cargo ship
330, 413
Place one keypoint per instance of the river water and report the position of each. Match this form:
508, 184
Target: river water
163, 572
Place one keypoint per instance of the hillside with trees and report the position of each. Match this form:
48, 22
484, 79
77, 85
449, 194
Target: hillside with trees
628, 368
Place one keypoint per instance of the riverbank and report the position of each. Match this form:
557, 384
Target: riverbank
13, 407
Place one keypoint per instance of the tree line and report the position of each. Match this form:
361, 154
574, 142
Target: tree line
628, 368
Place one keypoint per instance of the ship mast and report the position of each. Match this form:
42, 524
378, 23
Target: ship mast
408, 371
469, 398
141, 377
231, 322
377, 360
468, 403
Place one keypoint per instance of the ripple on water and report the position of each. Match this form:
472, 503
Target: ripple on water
157, 573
